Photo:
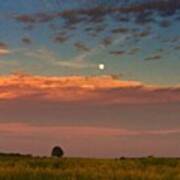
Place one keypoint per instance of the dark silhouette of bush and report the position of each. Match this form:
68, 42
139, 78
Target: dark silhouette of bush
150, 157
122, 158
57, 152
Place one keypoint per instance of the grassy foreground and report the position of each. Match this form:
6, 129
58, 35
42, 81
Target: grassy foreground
14, 167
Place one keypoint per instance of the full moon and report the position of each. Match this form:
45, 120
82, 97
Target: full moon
101, 66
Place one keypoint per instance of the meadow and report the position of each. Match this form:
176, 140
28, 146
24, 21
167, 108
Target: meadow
17, 167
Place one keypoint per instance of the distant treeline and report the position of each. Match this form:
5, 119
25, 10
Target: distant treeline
15, 155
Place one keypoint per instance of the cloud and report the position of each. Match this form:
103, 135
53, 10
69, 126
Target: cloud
88, 141
95, 19
71, 17
143, 12
143, 34
82, 47
4, 52
4, 49
120, 30
61, 38
36, 18
3, 45
177, 48
102, 90
78, 62
134, 50
26, 40
107, 41
154, 57
117, 53
145, 17
78, 131
165, 23
57, 88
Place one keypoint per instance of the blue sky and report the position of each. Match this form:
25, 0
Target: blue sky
145, 51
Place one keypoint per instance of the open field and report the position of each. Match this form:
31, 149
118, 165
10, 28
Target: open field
30, 168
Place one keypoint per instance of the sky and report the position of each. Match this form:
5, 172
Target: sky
99, 78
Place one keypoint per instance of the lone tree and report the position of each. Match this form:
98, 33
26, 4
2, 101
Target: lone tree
57, 152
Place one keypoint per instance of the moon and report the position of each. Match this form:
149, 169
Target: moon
101, 66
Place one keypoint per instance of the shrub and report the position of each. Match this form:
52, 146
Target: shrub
57, 152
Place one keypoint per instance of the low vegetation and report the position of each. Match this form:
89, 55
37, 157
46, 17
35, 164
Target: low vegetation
17, 167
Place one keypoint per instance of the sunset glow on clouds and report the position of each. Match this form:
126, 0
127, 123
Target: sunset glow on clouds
90, 75
25, 129
36, 110
101, 89
71, 135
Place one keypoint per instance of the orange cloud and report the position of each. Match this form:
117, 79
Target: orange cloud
100, 89
4, 51
59, 88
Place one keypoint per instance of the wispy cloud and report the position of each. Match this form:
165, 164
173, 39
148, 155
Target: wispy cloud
77, 62
78, 131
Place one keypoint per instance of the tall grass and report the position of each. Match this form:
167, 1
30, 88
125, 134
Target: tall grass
29, 168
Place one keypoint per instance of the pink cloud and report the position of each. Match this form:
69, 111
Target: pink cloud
25, 129
102, 89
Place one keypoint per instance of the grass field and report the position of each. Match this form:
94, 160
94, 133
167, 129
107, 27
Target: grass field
14, 167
